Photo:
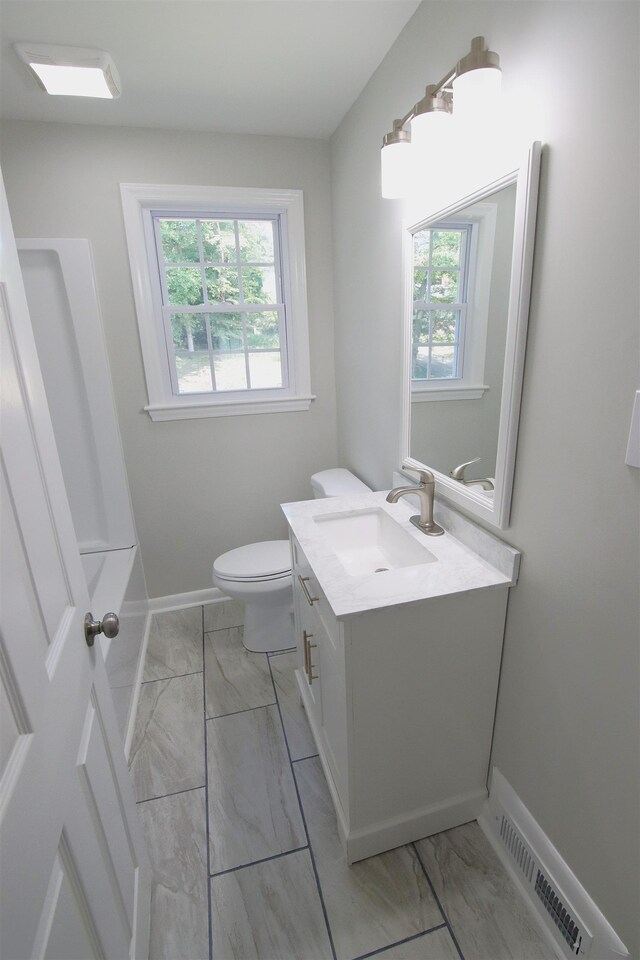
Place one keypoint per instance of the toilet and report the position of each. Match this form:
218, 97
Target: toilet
259, 574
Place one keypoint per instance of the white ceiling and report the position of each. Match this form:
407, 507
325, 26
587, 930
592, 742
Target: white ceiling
283, 67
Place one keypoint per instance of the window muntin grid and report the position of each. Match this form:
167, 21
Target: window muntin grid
223, 310
440, 293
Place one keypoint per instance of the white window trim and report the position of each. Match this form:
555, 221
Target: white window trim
470, 385
138, 200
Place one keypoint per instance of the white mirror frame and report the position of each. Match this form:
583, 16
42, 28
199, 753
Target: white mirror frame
495, 511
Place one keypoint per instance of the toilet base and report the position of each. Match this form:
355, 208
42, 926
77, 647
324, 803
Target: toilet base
268, 627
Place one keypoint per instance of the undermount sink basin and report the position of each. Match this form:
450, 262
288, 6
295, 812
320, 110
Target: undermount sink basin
370, 541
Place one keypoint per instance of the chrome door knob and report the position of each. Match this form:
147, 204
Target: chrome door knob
109, 625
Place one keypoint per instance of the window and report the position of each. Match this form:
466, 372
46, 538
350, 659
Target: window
219, 283
440, 260
451, 265
222, 303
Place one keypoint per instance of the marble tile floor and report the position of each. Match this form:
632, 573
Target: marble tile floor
242, 837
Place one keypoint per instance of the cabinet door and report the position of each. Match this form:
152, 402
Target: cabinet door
321, 661
334, 710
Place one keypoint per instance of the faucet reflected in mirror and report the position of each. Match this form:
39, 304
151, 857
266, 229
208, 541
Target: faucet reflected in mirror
425, 493
486, 483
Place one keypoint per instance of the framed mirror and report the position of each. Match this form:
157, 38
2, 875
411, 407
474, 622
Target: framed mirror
467, 284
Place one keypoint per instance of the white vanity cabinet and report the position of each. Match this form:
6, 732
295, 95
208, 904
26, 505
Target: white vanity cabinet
321, 671
401, 701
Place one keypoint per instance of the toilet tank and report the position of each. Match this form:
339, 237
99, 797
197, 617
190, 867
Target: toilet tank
336, 482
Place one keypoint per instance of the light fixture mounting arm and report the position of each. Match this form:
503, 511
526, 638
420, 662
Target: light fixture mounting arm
478, 58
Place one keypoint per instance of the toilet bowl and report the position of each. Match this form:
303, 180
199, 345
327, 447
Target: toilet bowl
259, 575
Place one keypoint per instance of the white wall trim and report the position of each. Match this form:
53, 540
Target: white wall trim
177, 601
221, 408
137, 686
419, 395
601, 940
423, 822
138, 202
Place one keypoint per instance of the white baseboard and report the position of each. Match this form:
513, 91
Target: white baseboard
414, 825
545, 879
135, 696
176, 601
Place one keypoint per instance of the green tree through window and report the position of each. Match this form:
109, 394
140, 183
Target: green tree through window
222, 290
439, 292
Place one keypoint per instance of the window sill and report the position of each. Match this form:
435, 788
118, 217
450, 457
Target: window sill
221, 408
448, 393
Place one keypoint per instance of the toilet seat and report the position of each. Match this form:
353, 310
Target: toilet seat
255, 562
259, 576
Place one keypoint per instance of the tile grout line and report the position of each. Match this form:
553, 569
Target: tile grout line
176, 793
206, 793
276, 856
236, 626
304, 821
399, 943
175, 676
437, 899
254, 863
234, 713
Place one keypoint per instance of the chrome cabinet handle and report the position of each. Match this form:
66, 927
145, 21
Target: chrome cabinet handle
305, 650
308, 647
303, 583
109, 625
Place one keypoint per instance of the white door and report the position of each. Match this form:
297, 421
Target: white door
74, 877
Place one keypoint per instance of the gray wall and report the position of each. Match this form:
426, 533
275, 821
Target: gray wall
199, 487
567, 723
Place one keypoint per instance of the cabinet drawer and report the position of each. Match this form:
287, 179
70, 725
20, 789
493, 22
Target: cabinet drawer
307, 629
311, 593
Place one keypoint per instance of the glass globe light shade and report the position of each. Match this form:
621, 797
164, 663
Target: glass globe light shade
428, 129
476, 94
396, 170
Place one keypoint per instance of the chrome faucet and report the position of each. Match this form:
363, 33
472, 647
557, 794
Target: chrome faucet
458, 474
424, 491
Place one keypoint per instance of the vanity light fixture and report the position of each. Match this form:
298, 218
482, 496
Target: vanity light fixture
71, 71
476, 85
395, 159
463, 93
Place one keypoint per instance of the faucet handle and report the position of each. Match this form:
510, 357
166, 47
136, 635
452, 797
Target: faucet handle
425, 475
458, 472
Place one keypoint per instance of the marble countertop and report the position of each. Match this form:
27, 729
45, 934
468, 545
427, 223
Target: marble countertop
471, 560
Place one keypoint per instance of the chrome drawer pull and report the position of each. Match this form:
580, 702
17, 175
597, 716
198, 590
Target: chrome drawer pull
308, 666
303, 583
305, 650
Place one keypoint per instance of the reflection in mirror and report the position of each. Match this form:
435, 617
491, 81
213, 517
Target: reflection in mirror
461, 276
467, 284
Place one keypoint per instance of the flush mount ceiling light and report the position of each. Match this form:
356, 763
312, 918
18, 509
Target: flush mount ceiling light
465, 92
71, 71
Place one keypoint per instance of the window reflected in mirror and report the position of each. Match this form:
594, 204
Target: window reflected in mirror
467, 280
461, 274
440, 258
